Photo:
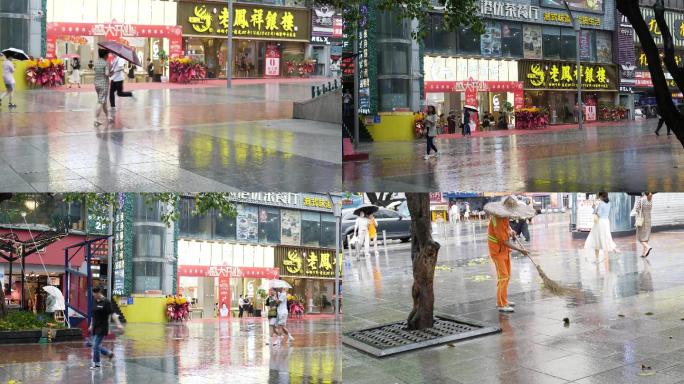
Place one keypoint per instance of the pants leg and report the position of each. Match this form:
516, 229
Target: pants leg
431, 144
502, 262
660, 125
365, 241
526, 230
240, 313
375, 243
113, 87
428, 143
98, 349
120, 92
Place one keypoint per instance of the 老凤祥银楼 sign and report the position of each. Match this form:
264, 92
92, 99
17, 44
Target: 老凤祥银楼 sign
252, 21
563, 75
305, 262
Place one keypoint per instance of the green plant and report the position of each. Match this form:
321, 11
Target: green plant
22, 320
508, 107
262, 293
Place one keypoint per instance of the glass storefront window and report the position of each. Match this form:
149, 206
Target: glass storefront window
147, 241
468, 41
327, 230
511, 40
568, 44
551, 42
390, 26
224, 226
14, 32
532, 41
269, 225
42, 209
290, 227
490, 41
438, 40
147, 276
604, 44
393, 58
393, 93
247, 223
14, 6
311, 229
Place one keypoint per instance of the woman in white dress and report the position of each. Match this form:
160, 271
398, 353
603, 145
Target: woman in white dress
75, 77
361, 232
600, 238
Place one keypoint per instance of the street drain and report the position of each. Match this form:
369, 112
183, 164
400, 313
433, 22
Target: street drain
392, 338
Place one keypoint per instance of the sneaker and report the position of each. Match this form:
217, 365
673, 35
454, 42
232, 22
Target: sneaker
111, 355
511, 304
426, 157
506, 309
95, 366
436, 154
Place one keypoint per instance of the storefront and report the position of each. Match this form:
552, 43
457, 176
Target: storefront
552, 85
149, 26
265, 224
311, 272
268, 41
326, 44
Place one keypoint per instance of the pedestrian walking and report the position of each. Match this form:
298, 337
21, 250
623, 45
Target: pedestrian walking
520, 227
600, 238
466, 214
661, 121
431, 130
499, 235
102, 70
117, 81
75, 77
373, 232
361, 233
451, 122
467, 127
454, 213
272, 304
642, 211
281, 319
241, 306
99, 326
8, 79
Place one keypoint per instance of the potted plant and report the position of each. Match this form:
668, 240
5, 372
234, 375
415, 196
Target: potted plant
20, 327
508, 110
261, 296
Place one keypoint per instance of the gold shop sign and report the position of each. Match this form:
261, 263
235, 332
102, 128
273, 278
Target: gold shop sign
305, 262
563, 75
248, 20
563, 18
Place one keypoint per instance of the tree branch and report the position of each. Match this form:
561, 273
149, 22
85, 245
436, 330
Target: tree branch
668, 45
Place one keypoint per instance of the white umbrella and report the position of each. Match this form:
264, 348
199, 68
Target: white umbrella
15, 53
57, 294
279, 284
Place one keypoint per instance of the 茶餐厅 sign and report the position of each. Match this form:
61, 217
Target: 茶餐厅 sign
563, 75
253, 21
534, 12
305, 262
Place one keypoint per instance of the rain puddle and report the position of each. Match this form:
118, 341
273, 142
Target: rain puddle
478, 277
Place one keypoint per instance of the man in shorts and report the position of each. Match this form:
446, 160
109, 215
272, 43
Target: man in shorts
281, 319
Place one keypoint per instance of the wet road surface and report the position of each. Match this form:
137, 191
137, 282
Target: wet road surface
202, 351
599, 346
203, 139
623, 157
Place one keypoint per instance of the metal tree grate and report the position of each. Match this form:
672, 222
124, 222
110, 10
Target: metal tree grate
392, 338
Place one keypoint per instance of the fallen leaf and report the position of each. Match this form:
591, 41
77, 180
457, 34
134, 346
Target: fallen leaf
621, 315
649, 313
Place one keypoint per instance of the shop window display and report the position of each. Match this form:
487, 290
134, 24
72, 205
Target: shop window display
532, 41
290, 227
490, 41
511, 40
247, 223
604, 52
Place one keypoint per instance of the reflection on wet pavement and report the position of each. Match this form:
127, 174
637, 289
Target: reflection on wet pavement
205, 139
625, 157
197, 352
609, 336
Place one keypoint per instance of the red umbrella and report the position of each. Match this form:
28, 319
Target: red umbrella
123, 51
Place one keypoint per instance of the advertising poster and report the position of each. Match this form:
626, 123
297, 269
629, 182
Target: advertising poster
490, 41
290, 227
585, 215
590, 112
272, 56
604, 54
247, 223
532, 41
224, 296
585, 45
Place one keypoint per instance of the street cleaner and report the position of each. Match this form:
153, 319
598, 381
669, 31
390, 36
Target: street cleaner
500, 238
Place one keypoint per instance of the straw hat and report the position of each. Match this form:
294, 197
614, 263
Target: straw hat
509, 207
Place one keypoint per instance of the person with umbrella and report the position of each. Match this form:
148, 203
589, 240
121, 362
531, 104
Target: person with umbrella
54, 301
102, 71
8, 79
499, 235
361, 228
123, 53
282, 313
75, 77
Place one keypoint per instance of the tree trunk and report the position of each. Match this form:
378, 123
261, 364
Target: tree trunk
668, 111
3, 307
424, 259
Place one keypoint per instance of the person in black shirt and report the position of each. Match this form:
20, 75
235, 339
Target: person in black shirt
99, 325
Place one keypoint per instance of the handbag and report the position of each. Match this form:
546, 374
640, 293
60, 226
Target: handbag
354, 241
639, 221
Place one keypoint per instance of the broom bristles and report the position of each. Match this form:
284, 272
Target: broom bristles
553, 287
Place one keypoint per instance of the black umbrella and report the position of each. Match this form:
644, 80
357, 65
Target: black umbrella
638, 193
15, 53
366, 209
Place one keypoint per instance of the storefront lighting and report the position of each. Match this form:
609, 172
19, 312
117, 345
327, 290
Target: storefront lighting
31, 204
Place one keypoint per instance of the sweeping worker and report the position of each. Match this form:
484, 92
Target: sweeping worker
499, 239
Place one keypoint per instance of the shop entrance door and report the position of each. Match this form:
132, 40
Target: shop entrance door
207, 291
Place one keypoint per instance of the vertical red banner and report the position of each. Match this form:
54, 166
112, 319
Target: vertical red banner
224, 296
471, 100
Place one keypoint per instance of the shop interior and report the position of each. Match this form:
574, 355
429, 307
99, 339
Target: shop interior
248, 55
316, 295
561, 104
202, 292
487, 102
85, 48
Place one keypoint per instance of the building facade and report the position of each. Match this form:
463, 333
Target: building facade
274, 235
21, 24
526, 57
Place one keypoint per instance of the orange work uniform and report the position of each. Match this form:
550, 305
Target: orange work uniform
498, 233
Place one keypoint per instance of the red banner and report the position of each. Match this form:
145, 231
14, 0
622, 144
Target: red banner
224, 296
226, 271
114, 31
476, 86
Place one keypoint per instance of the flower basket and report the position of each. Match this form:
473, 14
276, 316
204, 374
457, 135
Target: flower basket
419, 125
45, 73
183, 70
609, 112
530, 118
177, 308
299, 68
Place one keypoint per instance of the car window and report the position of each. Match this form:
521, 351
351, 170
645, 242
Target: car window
386, 214
349, 216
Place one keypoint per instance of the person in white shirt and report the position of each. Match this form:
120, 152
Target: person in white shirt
8, 79
361, 232
281, 320
117, 81
455, 213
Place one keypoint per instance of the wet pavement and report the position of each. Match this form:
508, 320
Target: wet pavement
628, 312
194, 139
202, 351
622, 157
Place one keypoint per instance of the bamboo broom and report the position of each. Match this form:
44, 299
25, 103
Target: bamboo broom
553, 287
